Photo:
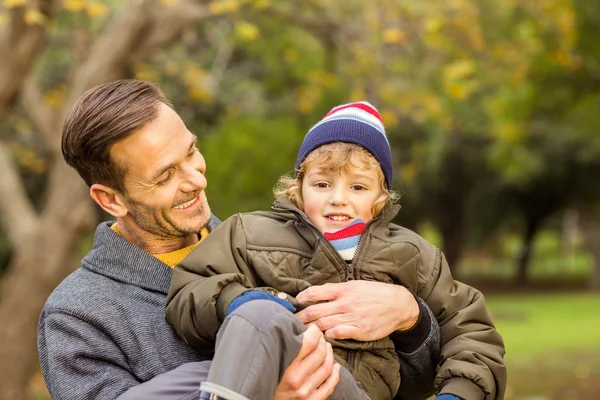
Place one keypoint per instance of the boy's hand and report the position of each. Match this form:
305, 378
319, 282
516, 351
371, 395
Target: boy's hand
313, 374
360, 310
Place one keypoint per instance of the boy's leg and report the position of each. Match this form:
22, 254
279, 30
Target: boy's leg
255, 345
182, 383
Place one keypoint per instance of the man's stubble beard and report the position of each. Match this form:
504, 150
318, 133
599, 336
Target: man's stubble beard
160, 224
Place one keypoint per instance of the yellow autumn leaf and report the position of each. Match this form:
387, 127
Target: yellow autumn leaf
357, 94
389, 117
509, 131
394, 36
290, 56
3, 18
74, 5
199, 94
261, 4
142, 72
246, 31
13, 3
33, 16
97, 9
55, 98
459, 69
224, 6
456, 90
408, 172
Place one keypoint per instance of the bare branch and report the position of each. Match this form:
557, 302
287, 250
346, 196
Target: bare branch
133, 37
19, 218
43, 117
173, 20
20, 43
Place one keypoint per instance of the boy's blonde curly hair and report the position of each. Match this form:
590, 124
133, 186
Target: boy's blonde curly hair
337, 156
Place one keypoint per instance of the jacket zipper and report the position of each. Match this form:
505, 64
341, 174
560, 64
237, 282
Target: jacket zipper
349, 268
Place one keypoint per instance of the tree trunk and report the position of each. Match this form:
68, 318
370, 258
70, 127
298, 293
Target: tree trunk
524, 255
453, 238
39, 263
590, 226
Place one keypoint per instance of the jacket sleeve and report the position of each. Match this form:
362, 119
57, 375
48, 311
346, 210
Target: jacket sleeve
418, 349
205, 282
90, 367
472, 364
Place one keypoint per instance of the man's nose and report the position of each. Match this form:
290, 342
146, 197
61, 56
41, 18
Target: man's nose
194, 180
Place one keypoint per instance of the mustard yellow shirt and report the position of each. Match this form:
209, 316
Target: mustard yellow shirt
173, 258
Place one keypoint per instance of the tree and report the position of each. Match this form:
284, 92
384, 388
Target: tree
44, 242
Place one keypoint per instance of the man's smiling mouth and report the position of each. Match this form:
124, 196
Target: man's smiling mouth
186, 204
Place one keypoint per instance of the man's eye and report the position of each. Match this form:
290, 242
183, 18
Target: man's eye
166, 179
193, 152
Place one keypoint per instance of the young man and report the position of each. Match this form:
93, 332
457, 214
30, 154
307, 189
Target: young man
102, 333
330, 223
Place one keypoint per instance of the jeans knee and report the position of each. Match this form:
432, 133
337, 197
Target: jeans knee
261, 312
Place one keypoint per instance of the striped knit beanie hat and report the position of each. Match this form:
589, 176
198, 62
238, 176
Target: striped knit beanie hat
358, 123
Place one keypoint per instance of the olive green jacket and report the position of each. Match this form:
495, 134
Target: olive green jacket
282, 251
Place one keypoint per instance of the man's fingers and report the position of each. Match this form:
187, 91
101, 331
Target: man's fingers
344, 332
328, 291
318, 311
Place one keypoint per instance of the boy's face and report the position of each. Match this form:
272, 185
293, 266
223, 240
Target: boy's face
333, 199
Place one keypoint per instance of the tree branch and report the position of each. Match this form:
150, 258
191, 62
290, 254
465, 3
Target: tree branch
18, 215
44, 119
20, 43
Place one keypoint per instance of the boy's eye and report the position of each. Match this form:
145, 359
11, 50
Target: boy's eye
321, 185
358, 187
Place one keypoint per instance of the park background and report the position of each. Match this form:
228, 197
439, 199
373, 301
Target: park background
491, 108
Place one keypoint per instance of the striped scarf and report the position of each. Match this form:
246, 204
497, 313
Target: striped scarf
346, 240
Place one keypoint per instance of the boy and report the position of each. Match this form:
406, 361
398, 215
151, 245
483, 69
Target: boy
331, 223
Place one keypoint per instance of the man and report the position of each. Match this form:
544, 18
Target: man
102, 333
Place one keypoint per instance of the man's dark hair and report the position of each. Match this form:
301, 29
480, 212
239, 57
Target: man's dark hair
103, 116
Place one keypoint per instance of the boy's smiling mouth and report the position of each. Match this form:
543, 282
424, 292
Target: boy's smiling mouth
337, 217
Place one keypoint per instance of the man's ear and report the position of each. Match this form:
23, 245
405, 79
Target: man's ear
109, 199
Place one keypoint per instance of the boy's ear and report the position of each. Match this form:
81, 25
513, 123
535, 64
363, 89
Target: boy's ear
109, 199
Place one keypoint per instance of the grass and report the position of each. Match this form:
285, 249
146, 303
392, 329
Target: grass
552, 343
537, 323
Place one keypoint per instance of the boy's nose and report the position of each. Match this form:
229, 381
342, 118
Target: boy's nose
338, 197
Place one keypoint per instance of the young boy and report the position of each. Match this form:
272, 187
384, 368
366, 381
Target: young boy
331, 223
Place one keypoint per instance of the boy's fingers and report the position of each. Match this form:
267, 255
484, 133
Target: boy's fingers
327, 388
319, 376
310, 340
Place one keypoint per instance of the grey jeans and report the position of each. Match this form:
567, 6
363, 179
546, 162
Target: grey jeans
255, 345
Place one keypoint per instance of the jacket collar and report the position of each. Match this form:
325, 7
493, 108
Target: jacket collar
115, 257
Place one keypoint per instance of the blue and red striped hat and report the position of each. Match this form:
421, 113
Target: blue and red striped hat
358, 123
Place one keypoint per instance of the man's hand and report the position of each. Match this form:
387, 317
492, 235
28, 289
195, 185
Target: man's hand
360, 310
313, 374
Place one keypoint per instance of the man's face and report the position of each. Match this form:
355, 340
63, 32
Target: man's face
334, 199
164, 180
